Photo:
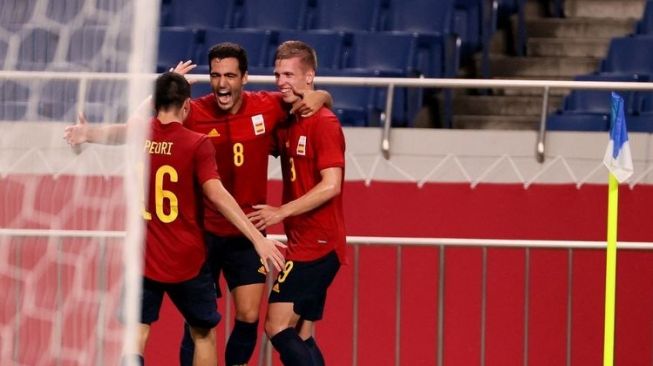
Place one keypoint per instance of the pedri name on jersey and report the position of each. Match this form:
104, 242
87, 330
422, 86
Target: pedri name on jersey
160, 148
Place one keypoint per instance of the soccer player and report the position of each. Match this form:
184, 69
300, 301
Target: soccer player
182, 168
312, 151
239, 124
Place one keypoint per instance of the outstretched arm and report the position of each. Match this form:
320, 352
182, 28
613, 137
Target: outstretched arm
227, 205
82, 132
108, 134
328, 188
115, 134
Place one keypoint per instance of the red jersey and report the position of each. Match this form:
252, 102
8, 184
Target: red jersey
242, 145
180, 162
307, 146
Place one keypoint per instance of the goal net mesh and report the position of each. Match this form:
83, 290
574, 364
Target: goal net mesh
70, 237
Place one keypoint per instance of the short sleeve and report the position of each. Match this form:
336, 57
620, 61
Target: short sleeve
205, 166
330, 143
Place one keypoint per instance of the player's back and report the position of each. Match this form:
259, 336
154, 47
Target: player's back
180, 160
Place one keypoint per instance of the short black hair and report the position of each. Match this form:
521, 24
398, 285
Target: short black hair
170, 90
227, 49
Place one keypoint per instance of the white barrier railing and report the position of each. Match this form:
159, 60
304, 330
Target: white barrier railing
389, 83
398, 243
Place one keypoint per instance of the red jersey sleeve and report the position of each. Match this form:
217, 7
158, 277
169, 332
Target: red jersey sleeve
205, 166
330, 143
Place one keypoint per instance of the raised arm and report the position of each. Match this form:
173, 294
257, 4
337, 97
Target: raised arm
227, 205
328, 187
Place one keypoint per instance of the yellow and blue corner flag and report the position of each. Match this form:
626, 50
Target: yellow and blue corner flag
618, 158
620, 164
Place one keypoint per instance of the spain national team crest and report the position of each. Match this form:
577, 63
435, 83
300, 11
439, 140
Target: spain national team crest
301, 145
259, 124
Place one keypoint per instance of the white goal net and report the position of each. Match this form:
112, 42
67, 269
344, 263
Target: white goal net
69, 275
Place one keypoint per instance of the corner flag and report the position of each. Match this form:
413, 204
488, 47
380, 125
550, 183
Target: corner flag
619, 162
618, 158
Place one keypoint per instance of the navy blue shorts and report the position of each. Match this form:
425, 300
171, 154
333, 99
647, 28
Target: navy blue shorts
195, 300
237, 258
305, 285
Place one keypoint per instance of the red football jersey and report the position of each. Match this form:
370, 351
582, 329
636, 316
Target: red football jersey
242, 144
307, 146
180, 162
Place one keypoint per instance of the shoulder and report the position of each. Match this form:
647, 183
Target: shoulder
264, 98
324, 117
203, 102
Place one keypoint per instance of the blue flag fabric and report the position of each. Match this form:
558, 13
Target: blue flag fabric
618, 158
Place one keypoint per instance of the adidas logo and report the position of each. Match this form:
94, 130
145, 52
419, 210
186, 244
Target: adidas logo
213, 133
262, 270
275, 288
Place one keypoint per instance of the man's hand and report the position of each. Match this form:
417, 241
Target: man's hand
183, 68
265, 216
310, 101
268, 251
77, 134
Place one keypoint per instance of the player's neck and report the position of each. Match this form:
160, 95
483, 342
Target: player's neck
166, 117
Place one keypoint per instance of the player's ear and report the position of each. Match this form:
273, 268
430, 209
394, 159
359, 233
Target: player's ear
245, 77
310, 76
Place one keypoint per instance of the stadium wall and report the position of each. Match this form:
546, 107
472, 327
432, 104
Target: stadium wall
457, 184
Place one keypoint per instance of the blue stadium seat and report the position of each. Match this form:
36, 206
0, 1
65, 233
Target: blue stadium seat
58, 100
354, 105
176, 44
475, 21
273, 15
420, 16
630, 56
597, 101
386, 54
346, 15
645, 24
328, 45
197, 13
15, 14
15, 99
433, 22
37, 49
64, 11
3, 53
588, 110
85, 45
106, 101
578, 122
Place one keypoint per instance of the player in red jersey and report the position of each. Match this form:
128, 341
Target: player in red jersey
311, 150
239, 124
182, 169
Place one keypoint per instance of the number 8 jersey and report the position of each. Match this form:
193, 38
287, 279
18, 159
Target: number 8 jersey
242, 142
180, 162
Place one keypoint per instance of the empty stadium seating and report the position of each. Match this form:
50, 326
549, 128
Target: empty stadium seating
37, 49
175, 44
278, 14
329, 45
630, 56
346, 15
184, 13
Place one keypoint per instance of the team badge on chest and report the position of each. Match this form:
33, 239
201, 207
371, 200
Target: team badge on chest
301, 145
259, 124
